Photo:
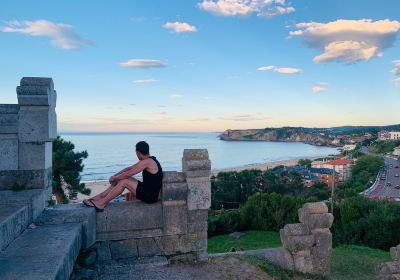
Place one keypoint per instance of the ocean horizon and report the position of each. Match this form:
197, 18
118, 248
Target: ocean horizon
111, 152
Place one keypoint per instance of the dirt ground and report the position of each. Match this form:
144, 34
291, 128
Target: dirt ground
218, 268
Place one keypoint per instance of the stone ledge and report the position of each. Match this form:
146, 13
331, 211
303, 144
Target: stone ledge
72, 213
45, 252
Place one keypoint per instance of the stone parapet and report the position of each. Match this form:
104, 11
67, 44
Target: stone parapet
175, 226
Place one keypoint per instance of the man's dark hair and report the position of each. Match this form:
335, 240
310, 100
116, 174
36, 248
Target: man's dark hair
142, 147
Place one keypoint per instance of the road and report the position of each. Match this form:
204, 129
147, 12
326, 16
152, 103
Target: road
385, 188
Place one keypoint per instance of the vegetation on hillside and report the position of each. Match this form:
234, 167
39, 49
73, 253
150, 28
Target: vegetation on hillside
364, 173
230, 190
67, 165
383, 147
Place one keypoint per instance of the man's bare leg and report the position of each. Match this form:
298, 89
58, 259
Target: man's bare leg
113, 192
101, 195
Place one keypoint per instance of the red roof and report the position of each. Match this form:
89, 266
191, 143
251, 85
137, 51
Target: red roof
340, 161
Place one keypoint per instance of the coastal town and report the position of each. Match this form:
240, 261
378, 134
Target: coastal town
336, 170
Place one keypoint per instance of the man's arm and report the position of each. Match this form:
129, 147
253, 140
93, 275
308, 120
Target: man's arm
132, 170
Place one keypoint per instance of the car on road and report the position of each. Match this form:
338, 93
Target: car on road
396, 166
397, 187
388, 184
396, 175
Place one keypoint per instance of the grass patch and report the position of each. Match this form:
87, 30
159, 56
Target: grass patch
356, 262
253, 239
348, 261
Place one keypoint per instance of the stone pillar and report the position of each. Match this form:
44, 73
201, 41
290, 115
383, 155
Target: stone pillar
310, 241
26, 134
196, 167
391, 270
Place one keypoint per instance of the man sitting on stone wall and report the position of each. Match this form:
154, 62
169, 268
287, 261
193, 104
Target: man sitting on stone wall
147, 191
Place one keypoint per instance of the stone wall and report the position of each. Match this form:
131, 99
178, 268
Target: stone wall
175, 227
26, 134
391, 270
310, 241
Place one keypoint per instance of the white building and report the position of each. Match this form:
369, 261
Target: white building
385, 135
342, 166
396, 151
348, 147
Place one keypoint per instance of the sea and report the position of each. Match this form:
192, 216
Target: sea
111, 152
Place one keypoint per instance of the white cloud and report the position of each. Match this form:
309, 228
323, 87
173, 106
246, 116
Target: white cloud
142, 63
318, 89
180, 27
348, 41
62, 35
262, 8
396, 69
321, 83
176, 96
282, 70
147, 81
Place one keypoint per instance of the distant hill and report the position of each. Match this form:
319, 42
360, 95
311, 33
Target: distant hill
313, 136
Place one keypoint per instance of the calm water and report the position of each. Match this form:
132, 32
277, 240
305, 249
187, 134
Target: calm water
110, 152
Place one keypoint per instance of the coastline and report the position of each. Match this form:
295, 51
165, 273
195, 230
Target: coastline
98, 186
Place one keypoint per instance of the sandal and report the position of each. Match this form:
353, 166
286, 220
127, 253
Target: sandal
97, 208
87, 202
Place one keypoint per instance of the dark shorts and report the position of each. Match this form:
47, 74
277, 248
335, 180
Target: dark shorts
146, 193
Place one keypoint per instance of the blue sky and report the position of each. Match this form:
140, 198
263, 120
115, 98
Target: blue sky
207, 65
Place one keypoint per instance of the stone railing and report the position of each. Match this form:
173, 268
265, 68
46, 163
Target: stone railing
391, 270
27, 131
174, 227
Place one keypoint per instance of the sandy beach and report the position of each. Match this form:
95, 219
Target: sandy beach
99, 186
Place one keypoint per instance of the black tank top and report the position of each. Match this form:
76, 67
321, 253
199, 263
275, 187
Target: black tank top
153, 182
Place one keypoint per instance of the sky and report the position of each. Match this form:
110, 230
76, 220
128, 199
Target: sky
206, 65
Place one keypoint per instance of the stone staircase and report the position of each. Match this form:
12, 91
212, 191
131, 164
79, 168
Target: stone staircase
48, 248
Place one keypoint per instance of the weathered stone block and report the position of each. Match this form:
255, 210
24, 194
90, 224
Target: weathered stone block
199, 194
198, 173
103, 251
315, 221
195, 154
174, 191
193, 242
29, 179
395, 252
390, 267
197, 220
36, 96
323, 243
173, 177
168, 244
296, 229
124, 249
174, 219
37, 81
296, 243
13, 221
322, 265
72, 213
127, 217
35, 155
303, 261
37, 123
147, 247
315, 207
8, 154
194, 165
8, 118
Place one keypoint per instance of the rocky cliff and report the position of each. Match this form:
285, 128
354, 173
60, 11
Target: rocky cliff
283, 134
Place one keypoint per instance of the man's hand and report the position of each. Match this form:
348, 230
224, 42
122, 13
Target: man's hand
112, 180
